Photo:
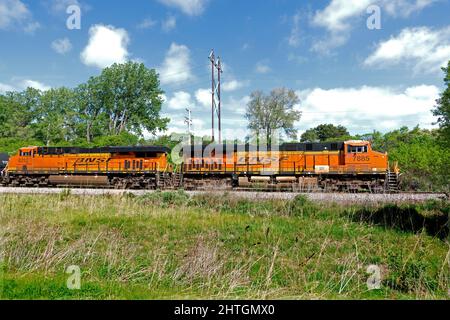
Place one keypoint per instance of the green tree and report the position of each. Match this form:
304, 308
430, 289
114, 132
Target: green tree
442, 109
422, 160
113, 108
55, 117
122, 139
90, 101
17, 110
265, 114
325, 132
132, 99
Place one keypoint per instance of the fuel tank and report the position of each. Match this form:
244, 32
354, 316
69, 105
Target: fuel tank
79, 180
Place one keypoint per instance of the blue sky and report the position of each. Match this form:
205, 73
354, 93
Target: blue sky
344, 72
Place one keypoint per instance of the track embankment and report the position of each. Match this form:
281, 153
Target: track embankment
357, 198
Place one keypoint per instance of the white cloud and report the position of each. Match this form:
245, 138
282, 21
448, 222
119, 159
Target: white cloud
12, 11
189, 7
20, 85
203, 96
176, 68
232, 85
361, 109
365, 109
426, 49
405, 8
335, 17
62, 46
31, 27
107, 45
6, 88
262, 67
34, 84
294, 38
238, 106
15, 14
179, 101
147, 23
339, 16
169, 24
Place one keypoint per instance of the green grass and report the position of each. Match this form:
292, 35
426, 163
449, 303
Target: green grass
167, 246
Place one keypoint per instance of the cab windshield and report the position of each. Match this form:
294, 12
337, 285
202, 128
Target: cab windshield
357, 149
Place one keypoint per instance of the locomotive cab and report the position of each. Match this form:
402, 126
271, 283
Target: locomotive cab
23, 160
360, 157
357, 152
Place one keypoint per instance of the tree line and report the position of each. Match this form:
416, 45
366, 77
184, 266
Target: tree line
115, 107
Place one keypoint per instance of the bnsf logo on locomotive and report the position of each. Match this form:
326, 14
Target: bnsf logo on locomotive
262, 160
91, 160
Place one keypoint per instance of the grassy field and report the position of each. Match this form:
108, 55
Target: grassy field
167, 246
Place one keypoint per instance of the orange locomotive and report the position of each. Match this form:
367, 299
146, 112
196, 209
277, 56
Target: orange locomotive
338, 166
119, 167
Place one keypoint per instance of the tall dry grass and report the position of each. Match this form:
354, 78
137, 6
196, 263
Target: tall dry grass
168, 245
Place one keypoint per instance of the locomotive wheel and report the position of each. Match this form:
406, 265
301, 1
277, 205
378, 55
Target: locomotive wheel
120, 183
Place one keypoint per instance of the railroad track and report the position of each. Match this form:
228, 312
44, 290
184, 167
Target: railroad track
362, 198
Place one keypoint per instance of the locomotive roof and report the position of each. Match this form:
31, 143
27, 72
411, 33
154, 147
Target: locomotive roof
75, 150
323, 146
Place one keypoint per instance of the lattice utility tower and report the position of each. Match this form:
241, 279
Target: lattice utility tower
216, 106
188, 121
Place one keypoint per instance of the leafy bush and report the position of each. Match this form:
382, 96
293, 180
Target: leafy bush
408, 274
301, 206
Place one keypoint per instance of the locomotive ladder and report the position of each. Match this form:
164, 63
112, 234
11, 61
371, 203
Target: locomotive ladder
177, 178
392, 183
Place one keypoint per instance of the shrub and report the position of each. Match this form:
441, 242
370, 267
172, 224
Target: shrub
301, 206
408, 274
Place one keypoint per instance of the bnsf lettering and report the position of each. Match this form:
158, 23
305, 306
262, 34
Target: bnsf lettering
261, 160
91, 160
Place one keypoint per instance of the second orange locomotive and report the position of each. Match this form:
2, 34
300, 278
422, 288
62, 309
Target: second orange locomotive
336, 166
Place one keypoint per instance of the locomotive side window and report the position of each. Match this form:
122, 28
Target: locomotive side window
357, 149
24, 154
